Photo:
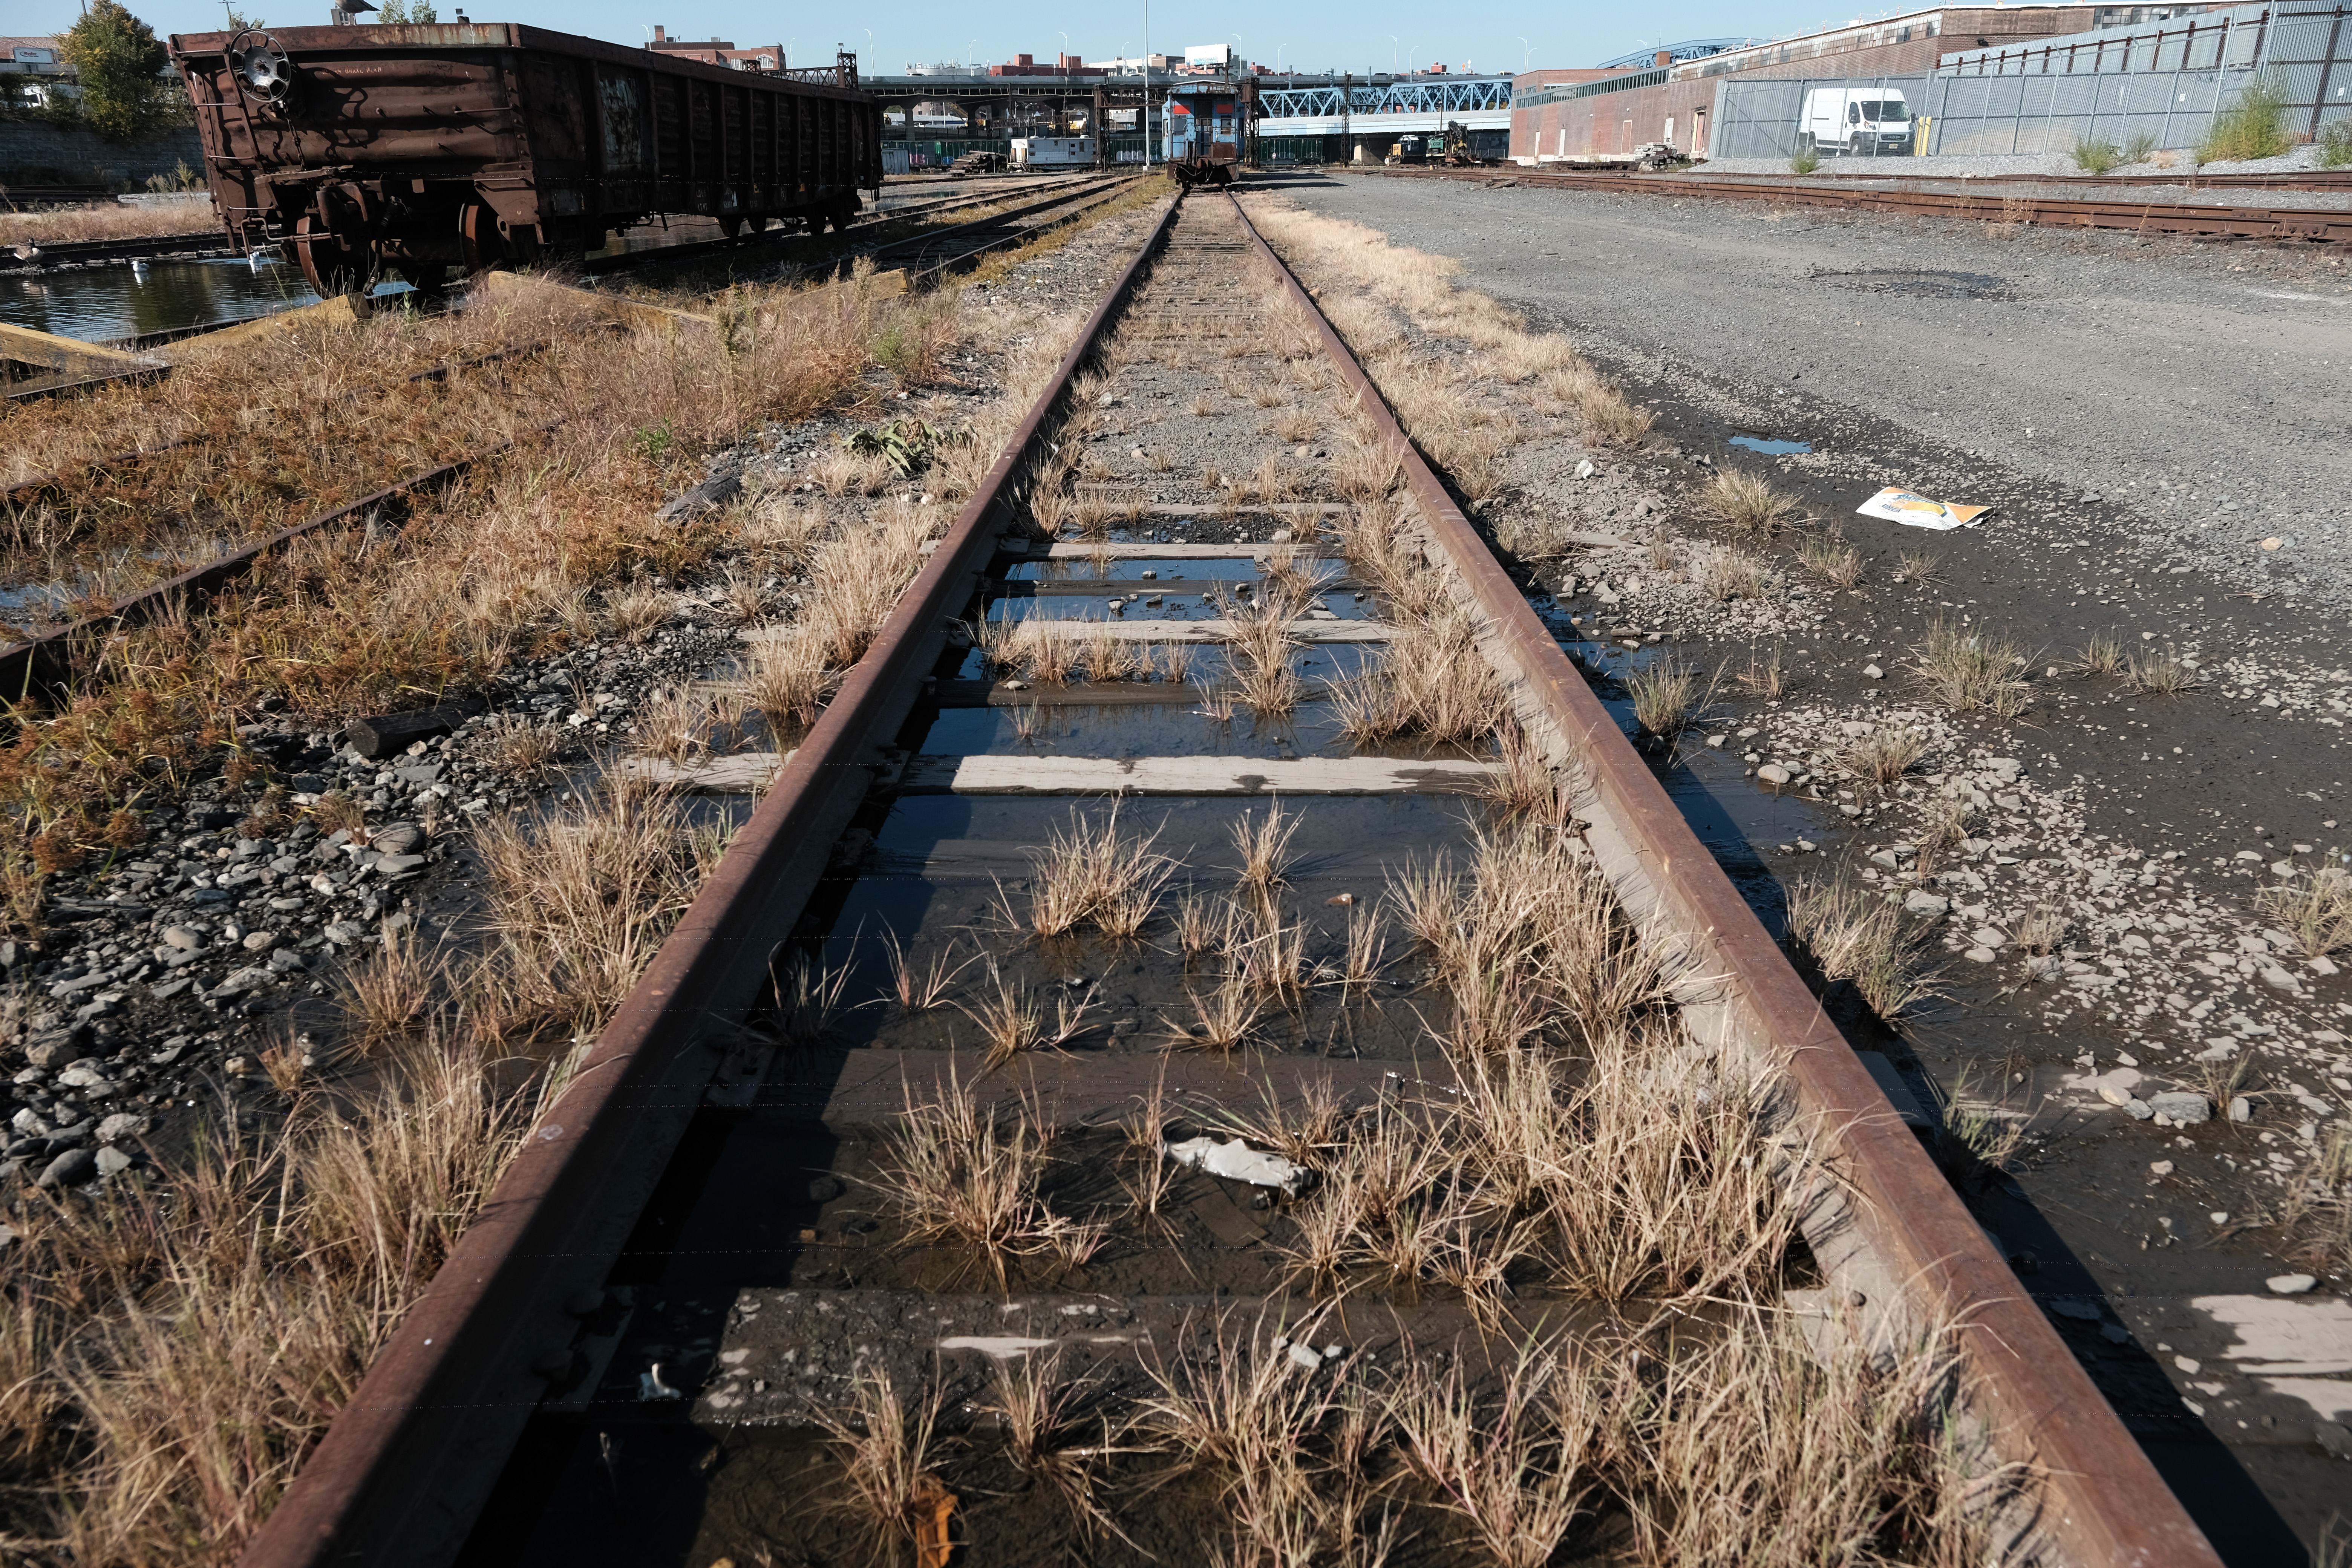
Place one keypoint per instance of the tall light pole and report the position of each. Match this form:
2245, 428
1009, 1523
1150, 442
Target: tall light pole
1526, 54
1143, 115
1392, 47
1412, 55
971, 46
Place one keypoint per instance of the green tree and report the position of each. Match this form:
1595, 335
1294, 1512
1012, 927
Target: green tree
118, 59
237, 20
398, 11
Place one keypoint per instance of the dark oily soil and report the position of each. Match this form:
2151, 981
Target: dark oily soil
2137, 461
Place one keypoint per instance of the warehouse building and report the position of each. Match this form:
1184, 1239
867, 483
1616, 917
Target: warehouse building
1610, 113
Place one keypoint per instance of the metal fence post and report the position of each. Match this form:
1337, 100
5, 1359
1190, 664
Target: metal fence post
2326, 70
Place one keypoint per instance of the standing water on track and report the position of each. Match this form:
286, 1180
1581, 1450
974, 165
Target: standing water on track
101, 304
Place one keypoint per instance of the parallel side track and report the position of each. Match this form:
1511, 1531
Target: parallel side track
2110, 211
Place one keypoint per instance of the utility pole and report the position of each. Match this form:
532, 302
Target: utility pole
1143, 116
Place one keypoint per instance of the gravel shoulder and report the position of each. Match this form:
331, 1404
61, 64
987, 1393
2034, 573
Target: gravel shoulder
2013, 373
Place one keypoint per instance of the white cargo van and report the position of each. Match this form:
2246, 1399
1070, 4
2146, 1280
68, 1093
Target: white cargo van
1854, 120
1053, 152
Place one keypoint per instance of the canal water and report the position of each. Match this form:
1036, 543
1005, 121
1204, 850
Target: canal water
99, 304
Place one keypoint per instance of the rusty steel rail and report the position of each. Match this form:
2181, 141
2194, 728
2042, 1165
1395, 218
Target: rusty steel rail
2329, 225
2282, 180
692, 251
929, 256
401, 1474
2111, 1507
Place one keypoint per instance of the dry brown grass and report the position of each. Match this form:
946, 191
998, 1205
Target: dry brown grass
390, 992
581, 895
1364, 284
173, 1349
1829, 557
1744, 504
1095, 874
1295, 425
1730, 573
366, 621
2314, 909
1668, 699
1968, 672
1853, 934
1884, 756
1766, 680
107, 220
1431, 682
884, 1445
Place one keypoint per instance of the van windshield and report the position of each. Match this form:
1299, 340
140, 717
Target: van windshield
1890, 109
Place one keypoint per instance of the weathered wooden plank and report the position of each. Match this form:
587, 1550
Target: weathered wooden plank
28, 346
1217, 631
936, 774
1254, 551
744, 773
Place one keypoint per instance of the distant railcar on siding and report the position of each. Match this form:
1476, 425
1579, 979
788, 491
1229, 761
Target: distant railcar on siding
411, 150
1208, 125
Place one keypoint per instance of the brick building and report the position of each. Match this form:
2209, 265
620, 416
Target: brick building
1063, 65
720, 52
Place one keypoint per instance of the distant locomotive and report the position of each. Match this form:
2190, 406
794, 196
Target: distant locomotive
1208, 126
413, 149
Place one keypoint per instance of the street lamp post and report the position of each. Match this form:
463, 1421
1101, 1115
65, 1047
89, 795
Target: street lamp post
1143, 115
1526, 54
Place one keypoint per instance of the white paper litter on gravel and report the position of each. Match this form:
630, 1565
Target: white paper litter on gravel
1896, 505
1237, 1161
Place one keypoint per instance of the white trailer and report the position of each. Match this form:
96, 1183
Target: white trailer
1053, 152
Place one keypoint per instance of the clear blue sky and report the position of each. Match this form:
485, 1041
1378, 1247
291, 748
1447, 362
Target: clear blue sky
1306, 35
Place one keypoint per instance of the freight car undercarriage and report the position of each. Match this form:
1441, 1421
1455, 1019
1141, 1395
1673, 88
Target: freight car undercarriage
413, 148
347, 231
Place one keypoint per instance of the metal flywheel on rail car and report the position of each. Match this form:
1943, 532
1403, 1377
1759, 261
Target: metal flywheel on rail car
415, 149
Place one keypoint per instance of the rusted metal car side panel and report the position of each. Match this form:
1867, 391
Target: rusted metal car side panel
418, 147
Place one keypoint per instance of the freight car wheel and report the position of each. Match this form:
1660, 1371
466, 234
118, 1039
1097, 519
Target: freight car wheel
333, 264
477, 231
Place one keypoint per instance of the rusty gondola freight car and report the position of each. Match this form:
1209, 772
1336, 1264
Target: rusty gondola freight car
415, 149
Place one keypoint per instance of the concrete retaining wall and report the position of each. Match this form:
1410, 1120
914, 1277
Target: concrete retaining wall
36, 153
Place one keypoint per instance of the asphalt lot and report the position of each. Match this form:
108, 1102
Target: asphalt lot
2205, 387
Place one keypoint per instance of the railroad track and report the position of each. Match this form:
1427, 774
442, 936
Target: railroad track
629, 1352
629, 260
2284, 180
42, 664
2112, 211
928, 256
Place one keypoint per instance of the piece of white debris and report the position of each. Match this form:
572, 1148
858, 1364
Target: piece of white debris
651, 1386
1237, 1161
1301, 1356
2290, 1284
